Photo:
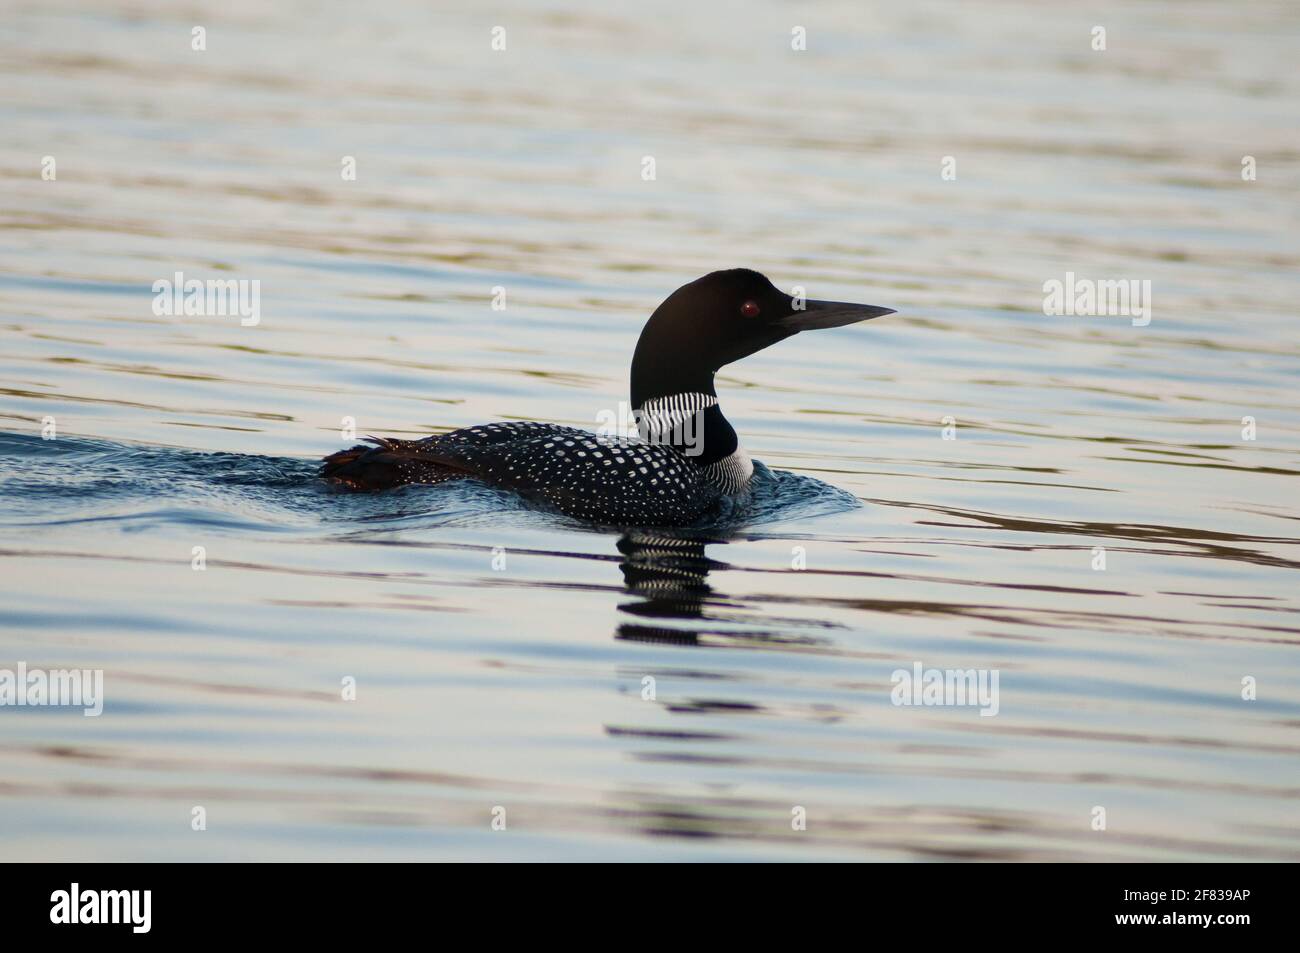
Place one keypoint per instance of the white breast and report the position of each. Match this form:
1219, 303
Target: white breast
731, 474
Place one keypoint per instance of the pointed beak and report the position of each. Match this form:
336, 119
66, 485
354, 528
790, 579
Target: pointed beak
830, 314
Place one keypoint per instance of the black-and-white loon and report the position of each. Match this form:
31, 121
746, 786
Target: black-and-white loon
687, 456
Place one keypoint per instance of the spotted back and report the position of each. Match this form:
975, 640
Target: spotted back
587, 476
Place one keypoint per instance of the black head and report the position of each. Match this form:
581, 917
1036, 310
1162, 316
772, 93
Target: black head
718, 319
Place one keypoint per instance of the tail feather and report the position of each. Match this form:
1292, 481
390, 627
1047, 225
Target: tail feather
390, 463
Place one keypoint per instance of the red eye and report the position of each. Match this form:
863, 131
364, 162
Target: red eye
749, 309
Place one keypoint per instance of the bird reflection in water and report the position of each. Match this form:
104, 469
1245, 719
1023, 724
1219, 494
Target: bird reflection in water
669, 572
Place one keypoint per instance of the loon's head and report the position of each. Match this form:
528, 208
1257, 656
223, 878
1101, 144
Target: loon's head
718, 319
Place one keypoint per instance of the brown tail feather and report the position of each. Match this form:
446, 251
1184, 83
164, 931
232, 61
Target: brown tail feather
389, 463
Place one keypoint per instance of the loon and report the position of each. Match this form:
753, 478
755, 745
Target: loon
688, 457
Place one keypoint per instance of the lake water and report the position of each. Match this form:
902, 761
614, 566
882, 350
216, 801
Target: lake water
622, 696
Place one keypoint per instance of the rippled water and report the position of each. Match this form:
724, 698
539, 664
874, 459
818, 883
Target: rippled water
500, 653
